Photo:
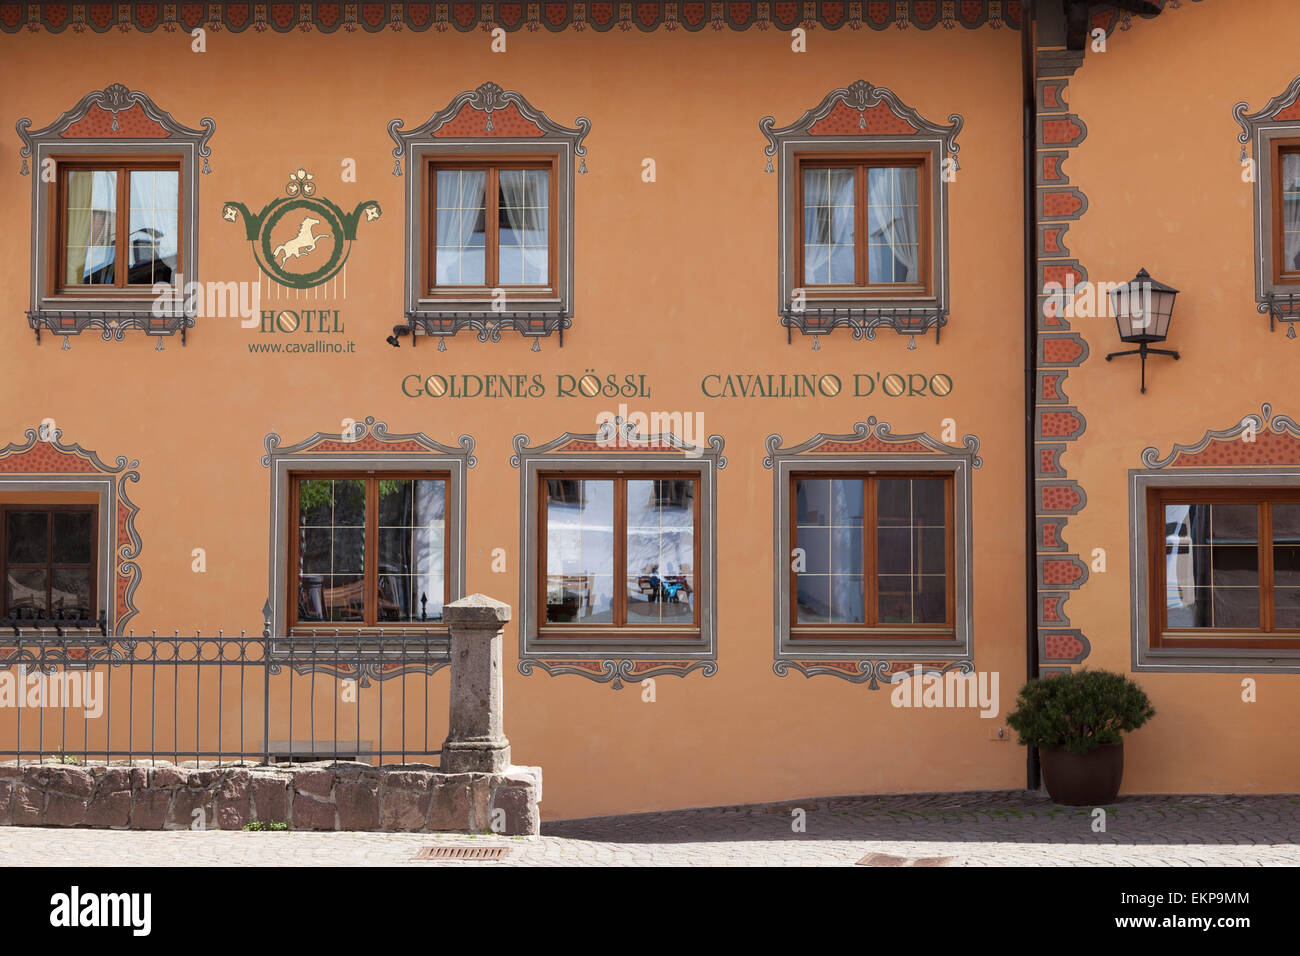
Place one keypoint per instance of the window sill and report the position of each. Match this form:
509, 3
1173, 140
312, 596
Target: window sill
106, 293
1227, 642
560, 632
1217, 660
510, 306
483, 294
861, 293
806, 633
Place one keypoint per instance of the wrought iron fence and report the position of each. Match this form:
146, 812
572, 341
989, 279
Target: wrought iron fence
219, 699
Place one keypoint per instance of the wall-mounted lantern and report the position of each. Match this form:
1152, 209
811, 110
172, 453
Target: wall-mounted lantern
1143, 309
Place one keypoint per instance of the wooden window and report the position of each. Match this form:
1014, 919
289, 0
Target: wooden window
119, 225
621, 554
1225, 567
1286, 211
367, 550
875, 556
864, 225
488, 225
48, 562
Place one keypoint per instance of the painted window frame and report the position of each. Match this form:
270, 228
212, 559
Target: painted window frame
1283, 279
620, 631
49, 509
65, 313
676, 654
298, 460
860, 161
112, 504
494, 166
871, 630
908, 312
1264, 636
370, 574
854, 646
123, 166
885, 304
1269, 143
1159, 656
532, 315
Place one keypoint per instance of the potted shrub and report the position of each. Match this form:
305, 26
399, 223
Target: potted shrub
1075, 720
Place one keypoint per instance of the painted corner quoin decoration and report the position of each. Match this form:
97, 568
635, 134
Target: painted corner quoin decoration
873, 448
1057, 422
44, 464
599, 653
534, 17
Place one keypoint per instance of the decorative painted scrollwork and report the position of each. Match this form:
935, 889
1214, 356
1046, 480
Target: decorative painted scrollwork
870, 671
359, 431
488, 98
618, 671
861, 96
1247, 432
117, 98
618, 435
1250, 122
871, 428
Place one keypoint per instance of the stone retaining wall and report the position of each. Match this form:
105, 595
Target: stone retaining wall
316, 796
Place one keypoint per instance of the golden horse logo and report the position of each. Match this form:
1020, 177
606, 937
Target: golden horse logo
301, 244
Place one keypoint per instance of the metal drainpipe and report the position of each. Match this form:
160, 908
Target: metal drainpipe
1028, 15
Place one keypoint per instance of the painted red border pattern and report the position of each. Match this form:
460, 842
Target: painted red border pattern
99, 123
369, 443
618, 443
1265, 449
554, 17
511, 16
1056, 422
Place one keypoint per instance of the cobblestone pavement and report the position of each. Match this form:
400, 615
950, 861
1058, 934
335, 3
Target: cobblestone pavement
956, 829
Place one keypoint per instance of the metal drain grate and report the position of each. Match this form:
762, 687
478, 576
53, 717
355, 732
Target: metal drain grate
462, 852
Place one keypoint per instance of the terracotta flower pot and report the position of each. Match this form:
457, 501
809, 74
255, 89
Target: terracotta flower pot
1083, 780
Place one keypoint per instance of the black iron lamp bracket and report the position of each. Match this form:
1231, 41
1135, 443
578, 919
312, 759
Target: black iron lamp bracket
1143, 350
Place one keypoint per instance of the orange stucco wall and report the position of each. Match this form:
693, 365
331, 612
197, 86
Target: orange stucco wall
675, 280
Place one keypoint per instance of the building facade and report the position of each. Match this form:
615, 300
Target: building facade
695, 331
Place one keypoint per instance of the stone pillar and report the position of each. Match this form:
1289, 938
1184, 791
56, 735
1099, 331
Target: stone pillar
475, 739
